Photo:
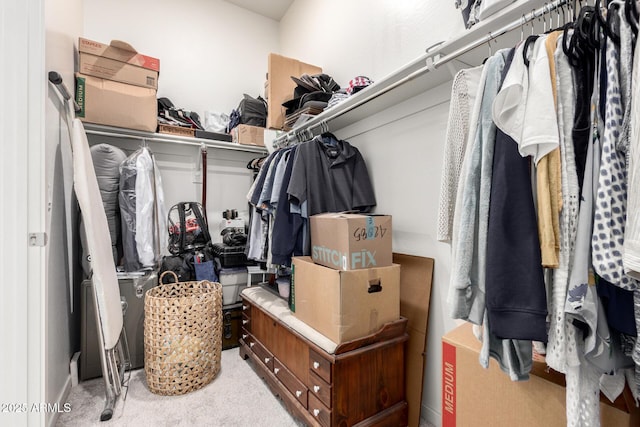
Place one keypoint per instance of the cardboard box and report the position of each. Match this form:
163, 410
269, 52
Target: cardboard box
344, 305
120, 51
280, 86
176, 130
248, 135
351, 241
106, 68
474, 396
112, 103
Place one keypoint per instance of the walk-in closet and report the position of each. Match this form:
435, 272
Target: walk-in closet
437, 100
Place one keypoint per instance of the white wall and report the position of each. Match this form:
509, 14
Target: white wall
360, 37
211, 52
403, 145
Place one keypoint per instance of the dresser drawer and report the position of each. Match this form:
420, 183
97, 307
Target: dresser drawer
263, 354
294, 385
244, 335
320, 388
246, 306
246, 321
320, 366
319, 411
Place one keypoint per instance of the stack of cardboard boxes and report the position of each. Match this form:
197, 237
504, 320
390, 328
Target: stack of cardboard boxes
349, 288
116, 85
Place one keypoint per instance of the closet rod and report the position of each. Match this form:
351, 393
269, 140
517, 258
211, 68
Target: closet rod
526, 18
322, 122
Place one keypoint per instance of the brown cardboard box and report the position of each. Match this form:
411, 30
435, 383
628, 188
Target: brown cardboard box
120, 51
116, 104
344, 305
474, 396
347, 241
415, 294
280, 86
176, 130
248, 135
106, 68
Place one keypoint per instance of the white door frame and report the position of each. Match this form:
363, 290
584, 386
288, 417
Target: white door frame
22, 212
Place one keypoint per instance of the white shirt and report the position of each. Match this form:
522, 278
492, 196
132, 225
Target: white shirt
524, 108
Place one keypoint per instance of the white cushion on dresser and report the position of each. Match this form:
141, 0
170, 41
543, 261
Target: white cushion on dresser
279, 309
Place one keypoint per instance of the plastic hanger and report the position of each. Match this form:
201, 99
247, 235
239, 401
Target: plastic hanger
525, 50
605, 23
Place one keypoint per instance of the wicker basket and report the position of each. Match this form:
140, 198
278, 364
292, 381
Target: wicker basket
182, 335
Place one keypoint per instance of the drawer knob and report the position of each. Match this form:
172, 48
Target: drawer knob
244, 322
316, 365
298, 393
251, 344
266, 359
244, 307
244, 336
316, 388
316, 412
276, 370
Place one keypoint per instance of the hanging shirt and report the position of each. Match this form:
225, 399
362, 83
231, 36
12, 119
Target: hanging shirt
631, 246
264, 200
566, 92
467, 286
611, 199
286, 240
463, 94
516, 298
463, 297
331, 176
524, 107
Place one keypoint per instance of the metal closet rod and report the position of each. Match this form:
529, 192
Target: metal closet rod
519, 23
431, 65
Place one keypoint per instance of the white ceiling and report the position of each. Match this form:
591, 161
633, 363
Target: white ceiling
274, 9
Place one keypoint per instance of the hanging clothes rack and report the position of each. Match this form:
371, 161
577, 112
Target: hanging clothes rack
432, 59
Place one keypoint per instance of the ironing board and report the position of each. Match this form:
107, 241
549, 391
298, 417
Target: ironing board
109, 317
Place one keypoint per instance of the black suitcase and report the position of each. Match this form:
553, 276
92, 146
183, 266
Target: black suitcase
230, 256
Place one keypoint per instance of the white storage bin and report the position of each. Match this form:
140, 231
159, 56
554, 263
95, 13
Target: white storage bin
234, 280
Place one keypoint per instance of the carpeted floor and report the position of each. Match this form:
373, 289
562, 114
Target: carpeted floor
236, 397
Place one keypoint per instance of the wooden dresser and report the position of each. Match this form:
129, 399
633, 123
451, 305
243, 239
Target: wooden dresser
359, 383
